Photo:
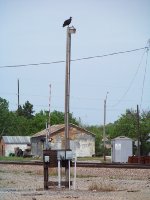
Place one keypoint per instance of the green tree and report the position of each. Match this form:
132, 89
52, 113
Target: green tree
4, 113
145, 132
98, 131
126, 125
18, 125
39, 121
26, 110
57, 117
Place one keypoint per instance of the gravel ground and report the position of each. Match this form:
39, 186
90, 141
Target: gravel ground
26, 183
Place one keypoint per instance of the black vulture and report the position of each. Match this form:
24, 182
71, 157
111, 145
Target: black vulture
67, 22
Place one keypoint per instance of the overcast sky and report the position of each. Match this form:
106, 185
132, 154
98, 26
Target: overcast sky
31, 32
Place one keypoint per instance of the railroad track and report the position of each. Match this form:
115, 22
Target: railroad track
86, 164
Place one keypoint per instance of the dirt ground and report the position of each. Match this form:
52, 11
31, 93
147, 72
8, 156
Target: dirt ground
26, 183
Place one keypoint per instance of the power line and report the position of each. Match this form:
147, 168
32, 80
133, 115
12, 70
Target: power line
73, 98
131, 82
144, 78
110, 54
78, 59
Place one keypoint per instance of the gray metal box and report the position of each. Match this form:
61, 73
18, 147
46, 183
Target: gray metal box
122, 148
46, 159
61, 155
69, 155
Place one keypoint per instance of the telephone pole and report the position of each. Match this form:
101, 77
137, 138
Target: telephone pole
49, 115
104, 128
70, 30
18, 95
138, 135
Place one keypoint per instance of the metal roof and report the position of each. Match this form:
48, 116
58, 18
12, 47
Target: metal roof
16, 139
122, 138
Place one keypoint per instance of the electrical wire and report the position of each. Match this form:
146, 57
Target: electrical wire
131, 82
144, 78
78, 59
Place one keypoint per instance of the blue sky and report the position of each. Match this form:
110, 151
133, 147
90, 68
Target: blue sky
31, 32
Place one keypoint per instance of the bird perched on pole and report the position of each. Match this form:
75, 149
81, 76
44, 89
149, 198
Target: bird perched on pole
67, 22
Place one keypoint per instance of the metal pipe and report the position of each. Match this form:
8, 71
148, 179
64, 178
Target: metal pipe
59, 175
69, 172
75, 172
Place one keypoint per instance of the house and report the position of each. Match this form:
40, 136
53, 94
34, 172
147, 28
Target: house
82, 142
8, 144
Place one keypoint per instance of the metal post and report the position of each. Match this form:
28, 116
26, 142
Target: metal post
75, 172
70, 30
59, 175
45, 176
69, 172
46, 142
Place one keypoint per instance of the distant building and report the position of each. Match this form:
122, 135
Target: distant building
9, 143
82, 142
122, 148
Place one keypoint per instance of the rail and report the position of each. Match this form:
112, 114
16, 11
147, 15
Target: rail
85, 164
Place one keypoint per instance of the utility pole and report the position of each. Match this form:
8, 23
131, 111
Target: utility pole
18, 94
48, 125
70, 30
49, 115
138, 135
104, 127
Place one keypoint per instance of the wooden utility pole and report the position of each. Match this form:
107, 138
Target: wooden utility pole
18, 95
104, 128
70, 30
49, 115
138, 135
48, 125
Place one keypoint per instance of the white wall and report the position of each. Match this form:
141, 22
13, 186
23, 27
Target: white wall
83, 148
9, 148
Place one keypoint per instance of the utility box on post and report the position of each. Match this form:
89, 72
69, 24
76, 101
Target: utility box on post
57, 159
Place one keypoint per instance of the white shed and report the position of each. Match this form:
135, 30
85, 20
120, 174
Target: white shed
122, 148
9, 143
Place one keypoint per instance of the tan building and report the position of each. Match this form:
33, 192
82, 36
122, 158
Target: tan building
82, 142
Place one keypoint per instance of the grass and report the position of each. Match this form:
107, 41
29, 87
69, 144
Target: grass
101, 187
84, 159
83, 176
101, 159
13, 158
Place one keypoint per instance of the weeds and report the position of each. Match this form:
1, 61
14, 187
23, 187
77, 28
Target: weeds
101, 187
